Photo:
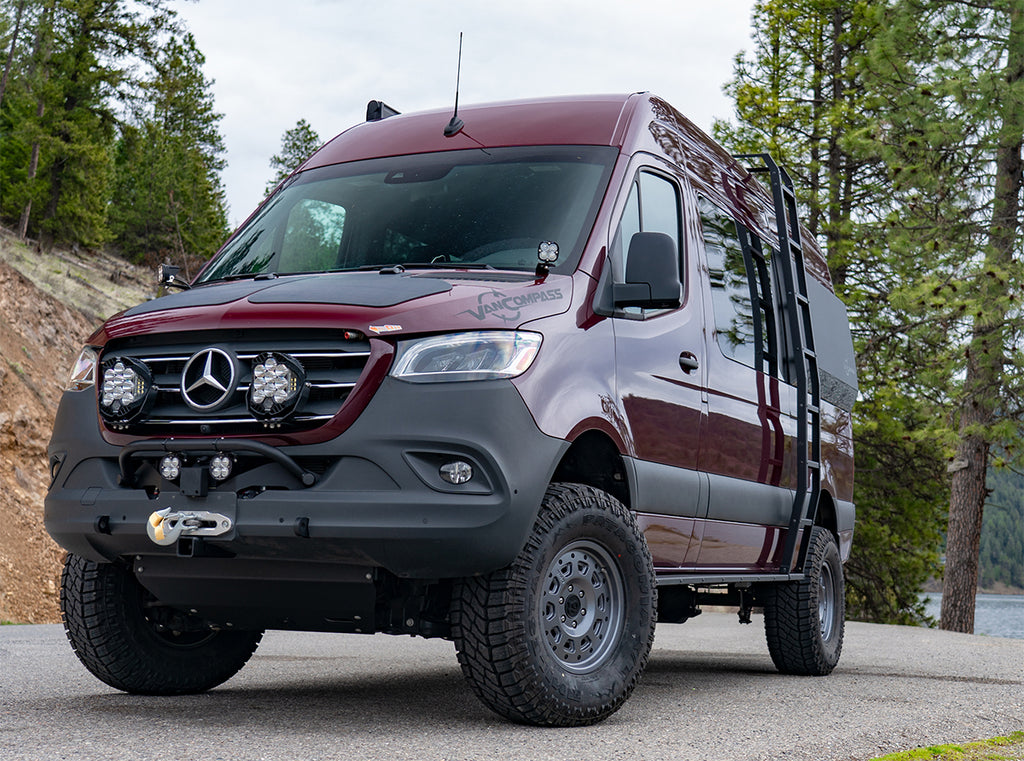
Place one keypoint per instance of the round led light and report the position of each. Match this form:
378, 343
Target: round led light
220, 466
126, 389
170, 467
278, 386
456, 472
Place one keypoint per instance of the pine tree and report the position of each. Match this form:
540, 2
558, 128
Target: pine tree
800, 95
950, 76
297, 145
80, 68
167, 198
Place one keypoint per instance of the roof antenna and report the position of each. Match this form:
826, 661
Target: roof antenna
456, 124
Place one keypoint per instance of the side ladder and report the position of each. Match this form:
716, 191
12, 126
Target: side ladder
802, 360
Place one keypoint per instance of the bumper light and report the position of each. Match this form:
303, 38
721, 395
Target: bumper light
126, 389
278, 387
170, 467
220, 467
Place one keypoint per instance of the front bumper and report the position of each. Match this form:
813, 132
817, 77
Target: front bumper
378, 501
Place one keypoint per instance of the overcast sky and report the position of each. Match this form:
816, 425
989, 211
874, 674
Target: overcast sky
277, 62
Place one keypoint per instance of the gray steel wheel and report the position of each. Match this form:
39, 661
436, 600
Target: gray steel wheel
827, 602
560, 637
581, 607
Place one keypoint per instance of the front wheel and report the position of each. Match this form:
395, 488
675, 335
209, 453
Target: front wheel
561, 636
804, 620
131, 642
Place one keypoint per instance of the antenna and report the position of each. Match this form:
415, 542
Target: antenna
456, 124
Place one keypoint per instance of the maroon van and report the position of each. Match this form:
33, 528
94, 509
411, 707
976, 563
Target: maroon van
531, 381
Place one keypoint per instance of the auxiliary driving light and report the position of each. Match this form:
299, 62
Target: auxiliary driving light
170, 467
125, 389
456, 472
278, 386
220, 466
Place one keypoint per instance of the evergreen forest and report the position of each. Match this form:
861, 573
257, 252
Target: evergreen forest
108, 131
901, 121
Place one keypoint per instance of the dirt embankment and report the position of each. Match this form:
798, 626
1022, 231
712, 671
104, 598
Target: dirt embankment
45, 316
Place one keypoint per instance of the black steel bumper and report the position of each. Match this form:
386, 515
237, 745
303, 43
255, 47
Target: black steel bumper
378, 502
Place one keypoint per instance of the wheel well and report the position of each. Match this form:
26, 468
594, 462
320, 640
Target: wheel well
594, 460
826, 517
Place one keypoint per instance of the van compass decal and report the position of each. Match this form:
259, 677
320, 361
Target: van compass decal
508, 308
378, 329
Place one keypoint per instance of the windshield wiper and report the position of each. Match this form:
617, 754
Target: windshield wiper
398, 268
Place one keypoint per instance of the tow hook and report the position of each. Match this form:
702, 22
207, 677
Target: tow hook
164, 526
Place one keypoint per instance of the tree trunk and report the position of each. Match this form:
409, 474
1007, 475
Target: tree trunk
10, 53
983, 381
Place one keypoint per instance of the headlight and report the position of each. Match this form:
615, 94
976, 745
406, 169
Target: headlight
126, 389
83, 372
483, 355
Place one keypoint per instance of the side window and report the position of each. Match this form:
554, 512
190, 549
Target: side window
652, 206
312, 238
739, 265
628, 225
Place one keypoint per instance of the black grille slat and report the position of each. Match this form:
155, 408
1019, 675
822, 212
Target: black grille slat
332, 366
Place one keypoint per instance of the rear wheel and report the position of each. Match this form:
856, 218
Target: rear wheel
804, 621
131, 642
561, 636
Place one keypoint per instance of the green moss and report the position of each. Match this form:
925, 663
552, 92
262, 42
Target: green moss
1008, 748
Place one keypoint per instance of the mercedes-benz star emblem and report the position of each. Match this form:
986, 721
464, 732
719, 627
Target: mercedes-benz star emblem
208, 379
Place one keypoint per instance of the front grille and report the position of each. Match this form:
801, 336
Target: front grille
332, 365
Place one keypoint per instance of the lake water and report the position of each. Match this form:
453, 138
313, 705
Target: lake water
994, 615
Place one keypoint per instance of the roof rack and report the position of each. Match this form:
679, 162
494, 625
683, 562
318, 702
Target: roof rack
377, 110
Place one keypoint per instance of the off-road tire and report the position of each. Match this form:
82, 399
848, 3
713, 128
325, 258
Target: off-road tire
520, 657
113, 633
804, 620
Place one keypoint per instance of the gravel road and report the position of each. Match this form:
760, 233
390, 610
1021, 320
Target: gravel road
710, 692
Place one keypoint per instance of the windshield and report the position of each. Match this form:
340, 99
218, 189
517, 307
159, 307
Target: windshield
471, 208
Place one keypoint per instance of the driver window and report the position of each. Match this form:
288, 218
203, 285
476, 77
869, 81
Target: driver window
652, 206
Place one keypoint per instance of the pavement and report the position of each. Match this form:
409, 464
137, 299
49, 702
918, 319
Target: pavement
709, 692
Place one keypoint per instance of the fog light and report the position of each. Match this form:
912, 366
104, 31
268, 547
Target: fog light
170, 467
456, 472
220, 466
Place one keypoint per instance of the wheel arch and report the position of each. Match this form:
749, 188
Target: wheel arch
593, 459
826, 516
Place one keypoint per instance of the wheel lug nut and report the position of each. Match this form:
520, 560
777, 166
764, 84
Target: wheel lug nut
561, 600
581, 593
573, 624
570, 587
563, 619
583, 611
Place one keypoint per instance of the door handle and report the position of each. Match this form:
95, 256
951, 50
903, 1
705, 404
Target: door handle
688, 361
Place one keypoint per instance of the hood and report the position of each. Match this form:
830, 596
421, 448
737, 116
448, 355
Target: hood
375, 303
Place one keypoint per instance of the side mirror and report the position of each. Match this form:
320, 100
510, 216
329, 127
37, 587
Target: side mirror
652, 274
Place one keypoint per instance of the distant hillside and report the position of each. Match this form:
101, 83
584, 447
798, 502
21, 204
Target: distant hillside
1002, 533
